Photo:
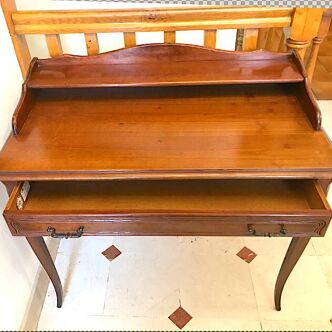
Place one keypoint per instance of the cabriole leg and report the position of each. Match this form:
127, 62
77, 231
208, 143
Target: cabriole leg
294, 252
40, 249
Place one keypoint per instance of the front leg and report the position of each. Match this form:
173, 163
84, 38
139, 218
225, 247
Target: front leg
40, 249
294, 252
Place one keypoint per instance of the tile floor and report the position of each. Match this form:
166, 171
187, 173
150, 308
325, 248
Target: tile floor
142, 284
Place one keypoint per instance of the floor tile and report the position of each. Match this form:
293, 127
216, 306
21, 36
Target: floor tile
197, 244
180, 317
246, 255
143, 284
104, 323
273, 246
155, 281
326, 265
321, 84
217, 287
296, 325
218, 324
326, 61
322, 90
84, 272
215, 245
321, 74
306, 295
326, 47
111, 253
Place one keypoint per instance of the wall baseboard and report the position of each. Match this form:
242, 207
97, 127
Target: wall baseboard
38, 293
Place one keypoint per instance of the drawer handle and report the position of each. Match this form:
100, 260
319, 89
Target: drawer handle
252, 231
52, 232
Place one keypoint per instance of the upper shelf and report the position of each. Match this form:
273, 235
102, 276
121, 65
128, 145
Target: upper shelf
164, 64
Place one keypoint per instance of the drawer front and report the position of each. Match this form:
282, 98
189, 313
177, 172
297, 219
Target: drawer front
171, 225
41, 216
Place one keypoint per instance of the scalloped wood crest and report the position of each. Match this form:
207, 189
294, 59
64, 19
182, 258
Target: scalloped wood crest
162, 52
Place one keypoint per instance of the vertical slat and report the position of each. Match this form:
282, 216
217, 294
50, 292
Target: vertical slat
129, 39
19, 41
262, 38
54, 45
239, 39
92, 45
250, 39
210, 37
169, 37
275, 39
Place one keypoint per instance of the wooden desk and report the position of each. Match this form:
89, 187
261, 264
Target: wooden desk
167, 140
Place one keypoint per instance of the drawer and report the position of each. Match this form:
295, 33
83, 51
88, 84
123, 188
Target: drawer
159, 207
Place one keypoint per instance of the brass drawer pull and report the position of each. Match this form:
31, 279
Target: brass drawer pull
52, 232
282, 232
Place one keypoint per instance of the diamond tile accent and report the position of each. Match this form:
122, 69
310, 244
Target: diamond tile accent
111, 253
180, 317
246, 254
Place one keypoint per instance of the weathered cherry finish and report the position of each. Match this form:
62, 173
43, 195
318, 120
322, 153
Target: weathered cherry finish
174, 115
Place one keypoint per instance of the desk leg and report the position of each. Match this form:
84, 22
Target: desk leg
40, 249
294, 252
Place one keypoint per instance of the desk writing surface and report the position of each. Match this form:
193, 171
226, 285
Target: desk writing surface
167, 131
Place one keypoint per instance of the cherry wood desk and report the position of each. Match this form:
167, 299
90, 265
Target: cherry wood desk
167, 140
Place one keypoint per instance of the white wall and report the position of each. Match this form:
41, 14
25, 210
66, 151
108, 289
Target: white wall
18, 265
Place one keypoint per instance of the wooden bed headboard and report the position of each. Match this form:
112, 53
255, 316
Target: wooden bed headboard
257, 27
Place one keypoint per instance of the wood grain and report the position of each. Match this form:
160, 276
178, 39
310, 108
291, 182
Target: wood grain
160, 64
54, 45
149, 19
183, 207
169, 37
250, 39
293, 254
210, 37
129, 39
92, 45
158, 126
305, 26
19, 41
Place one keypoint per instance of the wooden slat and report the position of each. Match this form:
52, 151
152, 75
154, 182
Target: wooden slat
54, 45
162, 19
169, 37
92, 45
239, 40
210, 38
275, 39
250, 39
129, 39
19, 41
262, 38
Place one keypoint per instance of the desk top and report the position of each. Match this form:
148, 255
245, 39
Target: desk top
197, 131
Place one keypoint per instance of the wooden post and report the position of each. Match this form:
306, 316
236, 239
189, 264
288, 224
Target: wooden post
323, 30
19, 41
304, 27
